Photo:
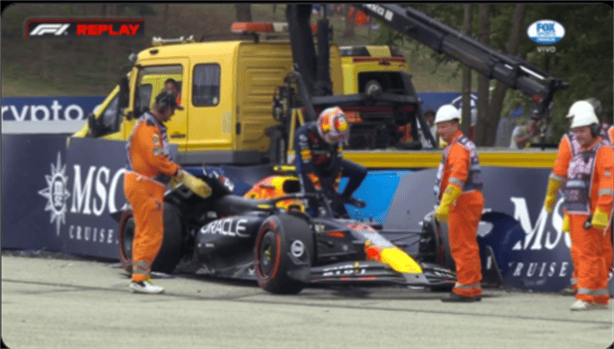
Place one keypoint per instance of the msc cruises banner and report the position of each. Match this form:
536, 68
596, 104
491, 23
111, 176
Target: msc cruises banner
532, 251
63, 199
65, 115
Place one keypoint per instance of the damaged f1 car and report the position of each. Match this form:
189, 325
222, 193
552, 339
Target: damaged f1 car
272, 240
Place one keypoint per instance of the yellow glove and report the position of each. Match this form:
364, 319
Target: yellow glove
554, 184
565, 228
198, 186
600, 219
449, 195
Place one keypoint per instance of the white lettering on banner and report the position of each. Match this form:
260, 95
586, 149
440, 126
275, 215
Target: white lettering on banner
76, 108
19, 116
101, 191
118, 175
97, 179
533, 267
79, 195
56, 109
93, 234
36, 108
72, 112
535, 235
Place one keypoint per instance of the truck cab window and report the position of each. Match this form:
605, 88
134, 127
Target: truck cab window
150, 82
206, 89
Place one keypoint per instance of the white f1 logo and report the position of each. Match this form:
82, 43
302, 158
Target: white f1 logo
55, 29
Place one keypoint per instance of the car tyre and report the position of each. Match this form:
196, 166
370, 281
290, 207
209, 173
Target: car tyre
172, 247
272, 252
126, 239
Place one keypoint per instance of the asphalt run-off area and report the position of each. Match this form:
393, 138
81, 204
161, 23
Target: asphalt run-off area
73, 303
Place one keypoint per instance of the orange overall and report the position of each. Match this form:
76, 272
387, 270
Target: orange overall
589, 186
460, 167
608, 252
560, 171
144, 187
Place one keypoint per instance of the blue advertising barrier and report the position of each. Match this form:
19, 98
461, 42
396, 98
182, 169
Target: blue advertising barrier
27, 115
63, 200
33, 191
538, 258
96, 178
68, 114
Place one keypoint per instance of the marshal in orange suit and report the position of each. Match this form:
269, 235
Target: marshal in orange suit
459, 188
588, 186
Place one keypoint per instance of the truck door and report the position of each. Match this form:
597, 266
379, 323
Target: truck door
149, 83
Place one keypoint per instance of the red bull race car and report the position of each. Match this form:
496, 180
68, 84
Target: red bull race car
266, 235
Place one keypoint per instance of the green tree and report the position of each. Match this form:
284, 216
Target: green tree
583, 58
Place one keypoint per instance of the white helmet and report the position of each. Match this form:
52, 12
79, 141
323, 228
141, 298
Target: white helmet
584, 117
447, 112
579, 107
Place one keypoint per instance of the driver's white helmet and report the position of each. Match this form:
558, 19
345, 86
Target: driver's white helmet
447, 112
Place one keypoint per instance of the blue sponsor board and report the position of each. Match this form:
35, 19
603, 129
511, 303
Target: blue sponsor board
531, 250
46, 114
96, 184
33, 191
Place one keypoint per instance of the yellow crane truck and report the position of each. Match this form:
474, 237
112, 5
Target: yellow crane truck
244, 98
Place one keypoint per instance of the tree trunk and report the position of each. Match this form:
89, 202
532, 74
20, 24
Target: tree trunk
496, 103
466, 124
349, 23
244, 12
481, 126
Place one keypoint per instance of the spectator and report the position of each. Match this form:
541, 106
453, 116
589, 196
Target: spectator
524, 135
429, 116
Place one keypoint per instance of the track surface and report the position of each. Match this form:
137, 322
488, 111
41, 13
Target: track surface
83, 304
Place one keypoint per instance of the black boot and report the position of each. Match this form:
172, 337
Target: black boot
355, 202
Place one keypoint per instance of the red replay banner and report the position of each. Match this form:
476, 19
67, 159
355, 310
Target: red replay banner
84, 27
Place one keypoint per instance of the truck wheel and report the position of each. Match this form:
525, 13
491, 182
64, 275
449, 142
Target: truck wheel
280, 237
172, 244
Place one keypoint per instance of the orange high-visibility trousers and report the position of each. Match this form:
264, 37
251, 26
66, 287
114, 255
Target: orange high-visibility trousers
463, 221
590, 265
146, 197
608, 253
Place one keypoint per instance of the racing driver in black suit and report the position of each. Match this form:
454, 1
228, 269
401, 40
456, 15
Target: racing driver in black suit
319, 162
